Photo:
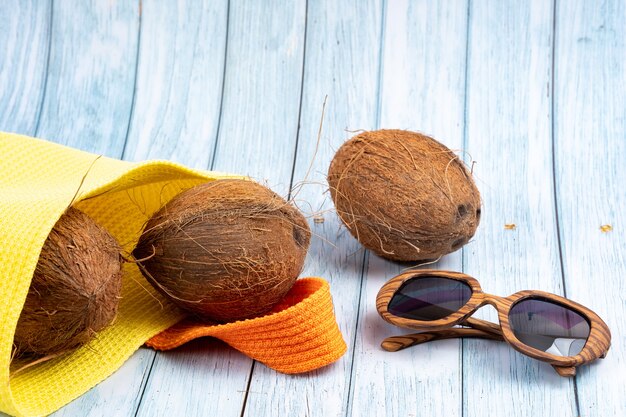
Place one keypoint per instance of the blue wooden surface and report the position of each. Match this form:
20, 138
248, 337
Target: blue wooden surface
533, 91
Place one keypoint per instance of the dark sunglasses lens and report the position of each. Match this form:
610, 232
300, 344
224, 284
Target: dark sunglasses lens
549, 327
429, 298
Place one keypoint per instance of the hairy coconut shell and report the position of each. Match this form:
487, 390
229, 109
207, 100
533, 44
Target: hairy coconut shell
404, 195
225, 250
75, 289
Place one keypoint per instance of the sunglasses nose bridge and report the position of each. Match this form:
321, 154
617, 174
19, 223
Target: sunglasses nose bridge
495, 301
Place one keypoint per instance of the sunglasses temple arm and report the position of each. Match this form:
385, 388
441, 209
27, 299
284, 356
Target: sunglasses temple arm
479, 329
396, 343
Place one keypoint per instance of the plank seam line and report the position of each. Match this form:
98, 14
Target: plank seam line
293, 169
365, 260
247, 391
468, 22
298, 126
45, 79
554, 182
134, 98
219, 117
144, 382
350, 397
381, 63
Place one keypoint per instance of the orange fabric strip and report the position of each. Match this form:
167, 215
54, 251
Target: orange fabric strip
299, 335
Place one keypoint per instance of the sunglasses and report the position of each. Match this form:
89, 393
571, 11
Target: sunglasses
538, 324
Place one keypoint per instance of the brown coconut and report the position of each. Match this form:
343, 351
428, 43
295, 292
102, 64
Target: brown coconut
225, 250
75, 289
404, 195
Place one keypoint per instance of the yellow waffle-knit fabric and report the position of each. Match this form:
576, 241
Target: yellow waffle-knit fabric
38, 181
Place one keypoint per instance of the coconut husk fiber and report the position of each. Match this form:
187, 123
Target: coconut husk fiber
404, 195
39, 180
225, 250
75, 289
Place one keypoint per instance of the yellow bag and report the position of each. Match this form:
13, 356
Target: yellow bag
38, 181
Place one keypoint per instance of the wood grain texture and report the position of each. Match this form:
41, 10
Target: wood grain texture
396, 343
189, 72
118, 395
596, 346
87, 104
203, 378
175, 116
590, 145
179, 82
24, 47
508, 134
91, 74
342, 57
262, 83
261, 100
427, 98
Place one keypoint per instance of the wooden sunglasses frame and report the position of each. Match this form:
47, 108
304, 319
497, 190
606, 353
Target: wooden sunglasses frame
596, 346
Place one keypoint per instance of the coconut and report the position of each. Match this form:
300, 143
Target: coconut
404, 195
224, 250
75, 290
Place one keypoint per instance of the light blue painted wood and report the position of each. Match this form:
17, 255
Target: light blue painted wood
118, 395
262, 84
88, 103
24, 44
590, 143
203, 378
24, 47
175, 116
257, 136
342, 61
176, 113
508, 134
179, 82
91, 74
427, 98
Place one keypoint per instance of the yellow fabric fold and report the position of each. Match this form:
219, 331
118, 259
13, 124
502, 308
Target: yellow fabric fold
38, 181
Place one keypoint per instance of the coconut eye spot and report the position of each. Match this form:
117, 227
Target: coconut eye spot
462, 211
458, 243
299, 236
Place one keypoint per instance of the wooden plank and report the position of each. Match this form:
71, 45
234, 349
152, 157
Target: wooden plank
590, 132
117, 395
87, 105
179, 82
172, 127
176, 131
256, 136
509, 135
423, 89
342, 61
182, 50
24, 47
262, 91
202, 378
89, 89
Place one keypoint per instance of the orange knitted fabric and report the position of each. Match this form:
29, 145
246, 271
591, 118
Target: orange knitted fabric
299, 335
